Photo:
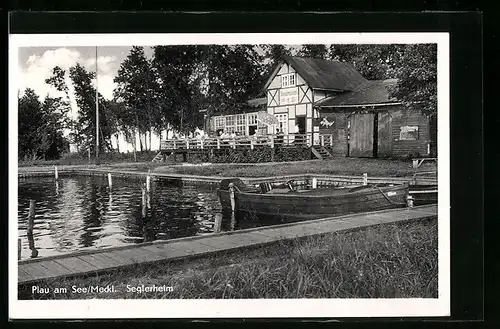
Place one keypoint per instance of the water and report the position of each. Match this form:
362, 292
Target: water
80, 213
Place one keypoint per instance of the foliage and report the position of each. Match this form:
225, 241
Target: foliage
314, 51
374, 62
273, 54
40, 128
137, 96
85, 94
417, 77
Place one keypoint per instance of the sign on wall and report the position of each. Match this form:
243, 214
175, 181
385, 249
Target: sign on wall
289, 96
408, 133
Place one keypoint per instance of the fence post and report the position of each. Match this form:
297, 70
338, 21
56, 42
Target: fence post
251, 144
322, 140
218, 143
175, 145
110, 182
272, 141
314, 182
365, 179
56, 173
201, 143
234, 143
187, 144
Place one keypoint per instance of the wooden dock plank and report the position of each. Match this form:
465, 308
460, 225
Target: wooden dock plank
76, 264
71, 265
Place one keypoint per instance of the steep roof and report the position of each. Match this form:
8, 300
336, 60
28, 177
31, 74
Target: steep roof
370, 92
323, 74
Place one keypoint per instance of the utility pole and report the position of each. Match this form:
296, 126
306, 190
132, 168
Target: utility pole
96, 113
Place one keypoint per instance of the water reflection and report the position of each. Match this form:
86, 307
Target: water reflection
82, 212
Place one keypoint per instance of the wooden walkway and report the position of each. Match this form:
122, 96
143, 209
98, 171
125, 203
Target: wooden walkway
214, 180
92, 262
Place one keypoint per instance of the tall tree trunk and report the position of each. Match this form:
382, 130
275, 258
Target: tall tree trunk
150, 133
134, 143
140, 139
159, 146
117, 135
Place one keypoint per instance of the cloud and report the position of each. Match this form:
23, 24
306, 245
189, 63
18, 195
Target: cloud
39, 67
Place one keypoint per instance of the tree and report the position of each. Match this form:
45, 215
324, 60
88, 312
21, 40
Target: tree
85, 95
40, 128
417, 77
374, 62
175, 68
273, 55
314, 51
137, 88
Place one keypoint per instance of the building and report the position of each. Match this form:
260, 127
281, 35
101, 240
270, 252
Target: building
321, 98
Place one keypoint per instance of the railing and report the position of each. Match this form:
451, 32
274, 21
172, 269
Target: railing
247, 142
326, 140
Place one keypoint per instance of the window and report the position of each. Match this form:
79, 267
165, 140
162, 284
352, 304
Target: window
282, 123
230, 124
408, 133
220, 123
288, 80
241, 124
252, 119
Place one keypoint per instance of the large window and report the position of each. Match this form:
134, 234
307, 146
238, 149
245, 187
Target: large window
230, 124
252, 119
288, 80
282, 122
220, 123
241, 124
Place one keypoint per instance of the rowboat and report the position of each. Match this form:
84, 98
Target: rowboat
425, 194
289, 203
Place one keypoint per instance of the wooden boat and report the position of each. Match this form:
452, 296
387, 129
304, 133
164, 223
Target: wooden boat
425, 194
309, 204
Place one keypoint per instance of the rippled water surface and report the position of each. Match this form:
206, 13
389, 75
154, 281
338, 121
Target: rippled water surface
79, 213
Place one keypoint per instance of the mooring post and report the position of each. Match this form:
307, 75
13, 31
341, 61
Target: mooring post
314, 182
56, 174
365, 179
231, 197
409, 201
110, 181
31, 217
143, 202
218, 222
148, 181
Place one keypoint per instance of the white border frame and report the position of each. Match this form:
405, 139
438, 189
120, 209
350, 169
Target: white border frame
235, 308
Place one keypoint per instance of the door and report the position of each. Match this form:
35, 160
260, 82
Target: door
361, 135
300, 121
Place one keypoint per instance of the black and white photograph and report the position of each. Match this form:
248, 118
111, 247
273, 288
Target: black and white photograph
231, 175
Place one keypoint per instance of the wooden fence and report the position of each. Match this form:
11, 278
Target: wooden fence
246, 142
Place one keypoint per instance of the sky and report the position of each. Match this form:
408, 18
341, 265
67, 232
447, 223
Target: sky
36, 64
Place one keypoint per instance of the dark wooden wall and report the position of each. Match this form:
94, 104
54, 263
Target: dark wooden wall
390, 121
338, 130
404, 148
384, 135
